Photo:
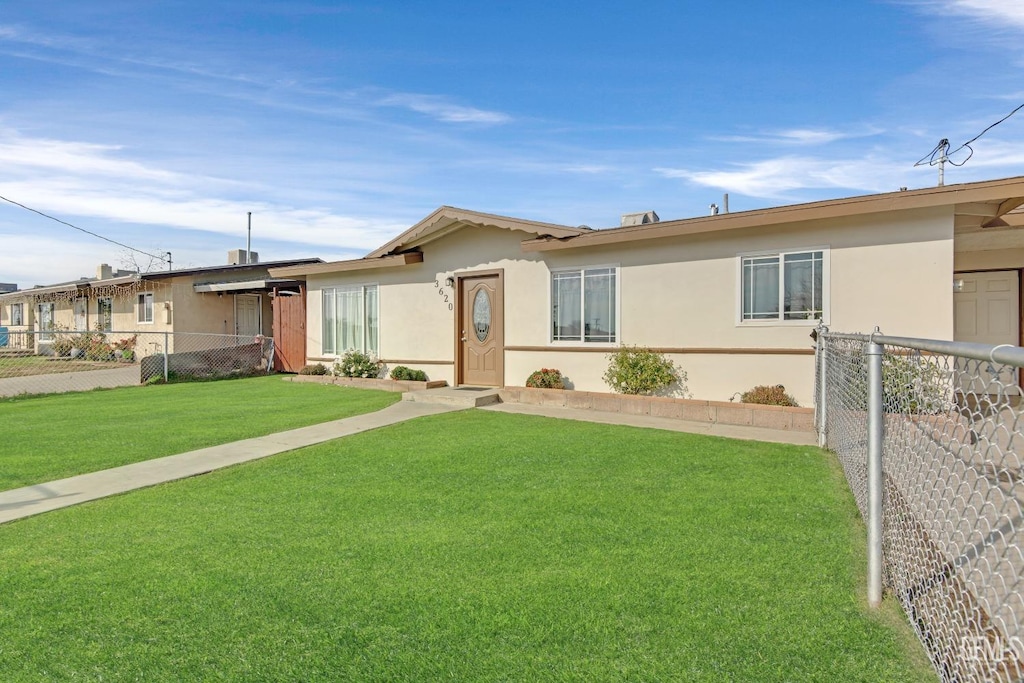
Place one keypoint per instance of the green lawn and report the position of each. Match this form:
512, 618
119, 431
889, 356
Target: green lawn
60, 435
465, 546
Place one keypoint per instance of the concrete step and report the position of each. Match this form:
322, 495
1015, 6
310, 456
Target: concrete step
467, 397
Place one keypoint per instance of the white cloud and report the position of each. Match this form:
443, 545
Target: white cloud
442, 110
776, 178
996, 12
72, 157
71, 179
799, 136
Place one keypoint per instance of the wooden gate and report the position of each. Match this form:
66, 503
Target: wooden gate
289, 329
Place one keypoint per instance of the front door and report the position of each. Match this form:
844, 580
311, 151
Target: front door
481, 327
986, 310
247, 315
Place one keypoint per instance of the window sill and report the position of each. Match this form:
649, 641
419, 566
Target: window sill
780, 323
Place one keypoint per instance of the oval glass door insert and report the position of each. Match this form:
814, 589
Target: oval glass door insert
481, 314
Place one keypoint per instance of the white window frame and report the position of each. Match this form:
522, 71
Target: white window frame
826, 270
19, 320
362, 286
583, 304
146, 304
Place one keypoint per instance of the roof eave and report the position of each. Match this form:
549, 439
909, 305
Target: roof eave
392, 261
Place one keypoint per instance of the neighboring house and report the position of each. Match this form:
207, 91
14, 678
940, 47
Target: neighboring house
231, 299
478, 299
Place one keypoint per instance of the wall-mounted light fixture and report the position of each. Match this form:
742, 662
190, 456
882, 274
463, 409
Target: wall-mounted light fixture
450, 281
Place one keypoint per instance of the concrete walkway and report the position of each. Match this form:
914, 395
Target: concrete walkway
32, 500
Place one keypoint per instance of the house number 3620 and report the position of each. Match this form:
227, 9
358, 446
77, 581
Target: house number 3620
443, 294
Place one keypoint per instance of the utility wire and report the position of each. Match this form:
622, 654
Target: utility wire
942, 149
87, 232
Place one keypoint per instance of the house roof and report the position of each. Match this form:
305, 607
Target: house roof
92, 282
448, 219
976, 206
81, 283
228, 268
402, 250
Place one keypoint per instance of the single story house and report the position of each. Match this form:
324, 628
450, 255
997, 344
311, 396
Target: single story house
479, 299
233, 299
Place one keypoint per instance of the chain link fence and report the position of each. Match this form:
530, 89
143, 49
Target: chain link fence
945, 423
60, 361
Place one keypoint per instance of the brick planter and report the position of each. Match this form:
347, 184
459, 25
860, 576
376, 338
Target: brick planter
716, 412
401, 385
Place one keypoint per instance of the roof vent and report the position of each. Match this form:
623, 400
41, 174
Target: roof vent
239, 257
642, 218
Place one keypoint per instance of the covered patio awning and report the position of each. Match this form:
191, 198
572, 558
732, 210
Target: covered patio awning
264, 285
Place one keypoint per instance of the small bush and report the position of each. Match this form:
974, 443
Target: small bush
769, 396
402, 372
314, 369
546, 378
633, 370
357, 364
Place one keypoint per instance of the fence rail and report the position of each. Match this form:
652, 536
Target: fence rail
929, 435
62, 361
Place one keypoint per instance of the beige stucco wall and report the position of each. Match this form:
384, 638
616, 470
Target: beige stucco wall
890, 270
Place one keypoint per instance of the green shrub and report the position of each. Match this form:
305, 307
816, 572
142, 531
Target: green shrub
915, 384
911, 383
357, 364
546, 378
768, 395
402, 372
314, 369
633, 370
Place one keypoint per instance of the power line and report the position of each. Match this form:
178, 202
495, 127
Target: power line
942, 149
87, 232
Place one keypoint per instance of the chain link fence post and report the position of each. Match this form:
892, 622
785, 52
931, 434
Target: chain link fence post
876, 434
821, 407
166, 361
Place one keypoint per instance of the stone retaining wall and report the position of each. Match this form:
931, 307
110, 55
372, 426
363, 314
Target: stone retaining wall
720, 412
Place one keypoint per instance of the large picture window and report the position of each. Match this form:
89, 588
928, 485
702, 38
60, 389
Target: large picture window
350, 319
146, 307
783, 287
584, 305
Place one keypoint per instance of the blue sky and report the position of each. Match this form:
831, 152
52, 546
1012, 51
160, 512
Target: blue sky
160, 124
